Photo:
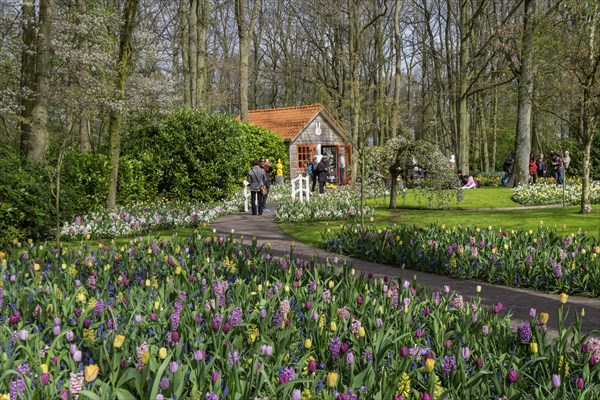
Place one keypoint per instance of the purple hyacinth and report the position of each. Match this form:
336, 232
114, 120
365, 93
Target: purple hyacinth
524, 332
17, 388
558, 271
235, 318
334, 346
448, 364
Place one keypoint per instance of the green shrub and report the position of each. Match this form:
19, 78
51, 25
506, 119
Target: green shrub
262, 143
138, 179
26, 203
84, 182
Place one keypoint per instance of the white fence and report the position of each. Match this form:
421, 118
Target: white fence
301, 188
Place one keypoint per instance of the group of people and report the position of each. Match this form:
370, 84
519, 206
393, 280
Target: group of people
319, 169
538, 167
260, 183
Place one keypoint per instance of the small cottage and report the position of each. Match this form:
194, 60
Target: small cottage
308, 131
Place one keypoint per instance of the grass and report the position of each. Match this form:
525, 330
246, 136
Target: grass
466, 213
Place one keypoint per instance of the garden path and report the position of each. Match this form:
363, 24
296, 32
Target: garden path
517, 301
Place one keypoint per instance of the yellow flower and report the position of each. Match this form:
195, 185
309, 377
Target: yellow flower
253, 333
306, 394
533, 347
36, 267
259, 288
321, 322
544, 317
81, 297
89, 336
478, 288
583, 312
331, 284
429, 364
332, 326
145, 357
44, 368
91, 372
308, 343
4, 396
118, 342
404, 386
162, 353
332, 379
361, 331
177, 270
563, 298
156, 305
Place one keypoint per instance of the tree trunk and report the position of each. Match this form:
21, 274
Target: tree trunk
39, 113
393, 188
193, 52
245, 29
116, 116
27, 83
202, 56
520, 175
185, 53
586, 205
464, 140
397, 69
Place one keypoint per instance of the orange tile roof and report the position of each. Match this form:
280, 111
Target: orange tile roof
287, 122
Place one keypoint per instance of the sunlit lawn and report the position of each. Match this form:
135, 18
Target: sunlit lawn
473, 211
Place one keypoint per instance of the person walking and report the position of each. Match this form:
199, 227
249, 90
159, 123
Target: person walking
542, 166
257, 178
266, 166
342, 167
532, 168
557, 165
322, 168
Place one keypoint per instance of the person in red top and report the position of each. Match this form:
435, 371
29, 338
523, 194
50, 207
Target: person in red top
532, 168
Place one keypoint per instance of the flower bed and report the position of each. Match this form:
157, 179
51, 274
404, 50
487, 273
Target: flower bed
143, 218
206, 318
544, 260
550, 193
342, 203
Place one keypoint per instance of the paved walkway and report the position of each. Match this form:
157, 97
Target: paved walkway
515, 300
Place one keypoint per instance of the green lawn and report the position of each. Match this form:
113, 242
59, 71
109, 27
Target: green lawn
465, 213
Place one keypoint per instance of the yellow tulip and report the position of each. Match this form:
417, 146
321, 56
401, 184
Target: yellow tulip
162, 353
118, 342
544, 317
259, 288
332, 379
429, 364
331, 284
177, 270
44, 368
563, 298
156, 305
4, 396
91, 372
583, 312
533, 347
145, 357
361, 331
332, 326
308, 343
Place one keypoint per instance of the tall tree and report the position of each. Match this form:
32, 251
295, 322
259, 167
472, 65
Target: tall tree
520, 175
27, 79
116, 114
245, 26
39, 112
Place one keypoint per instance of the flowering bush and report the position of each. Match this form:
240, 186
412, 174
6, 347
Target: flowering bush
489, 179
342, 203
208, 318
544, 260
550, 193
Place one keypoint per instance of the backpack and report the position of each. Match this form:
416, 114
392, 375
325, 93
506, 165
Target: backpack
310, 169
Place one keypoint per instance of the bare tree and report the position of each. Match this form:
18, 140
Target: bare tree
39, 112
245, 26
116, 114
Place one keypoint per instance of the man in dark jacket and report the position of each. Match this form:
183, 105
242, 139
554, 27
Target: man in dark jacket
266, 166
257, 178
322, 168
